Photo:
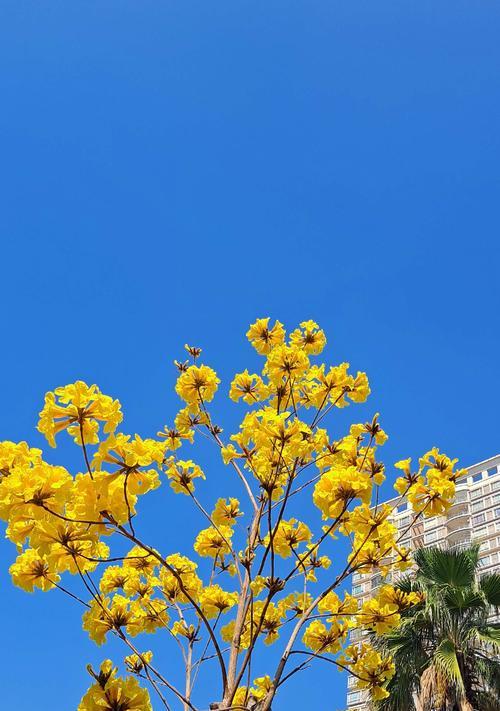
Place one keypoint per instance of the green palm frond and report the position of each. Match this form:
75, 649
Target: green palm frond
489, 636
445, 567
459, 600
446, 660
490, 586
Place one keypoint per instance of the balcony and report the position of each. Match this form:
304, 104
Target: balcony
457, 520
460, 534
461, 497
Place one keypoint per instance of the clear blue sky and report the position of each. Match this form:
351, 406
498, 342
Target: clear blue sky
171, 170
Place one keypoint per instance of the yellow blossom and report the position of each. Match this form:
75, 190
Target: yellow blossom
263, 338
32, 570
310, 337
78, 408
181, 474
286, 362
214, 542
262, 686
250, 388
196, 385
110, 693
214, 600
226, 512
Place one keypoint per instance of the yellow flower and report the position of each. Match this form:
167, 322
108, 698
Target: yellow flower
371, 428
360, 388
78, 408
263, 338
262, 686
240, 697
105, 615
258, 584
184, 583
148, 615
288, 536
135, 663
397, 599
371, 669
180, 628
229, 453
185, 421
226, 512
250, 388
30, 570
197, 384
36, 485
214, 600
14, 454
404, 465
142, 561
213, 542
286, 362
114, 578
320, 638
110, 693
336, 607
294, 602
309, 337
181, 474
377, 617
173, 437
338, 487
68, 546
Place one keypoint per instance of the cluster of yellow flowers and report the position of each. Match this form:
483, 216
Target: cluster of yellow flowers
111, 692
371, 670
277, 568
431, 489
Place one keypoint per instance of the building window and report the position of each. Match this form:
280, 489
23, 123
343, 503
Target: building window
357, 589
431, 536
476, 505
354, 697
484, 561
477, 493
480, 532
497, 513
495, 485
477, 520
477, 477
376, 581
492, 471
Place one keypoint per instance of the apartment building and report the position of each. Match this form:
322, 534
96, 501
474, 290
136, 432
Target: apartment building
474, 517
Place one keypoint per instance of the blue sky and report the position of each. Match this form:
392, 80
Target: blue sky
172, 170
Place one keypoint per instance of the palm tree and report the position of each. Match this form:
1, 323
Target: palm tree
445, 649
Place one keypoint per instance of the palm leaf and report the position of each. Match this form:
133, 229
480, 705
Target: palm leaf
462, 599
489, 636
445, 567
446, 660
490, 586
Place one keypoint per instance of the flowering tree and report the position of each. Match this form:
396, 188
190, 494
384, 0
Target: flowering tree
269, 576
